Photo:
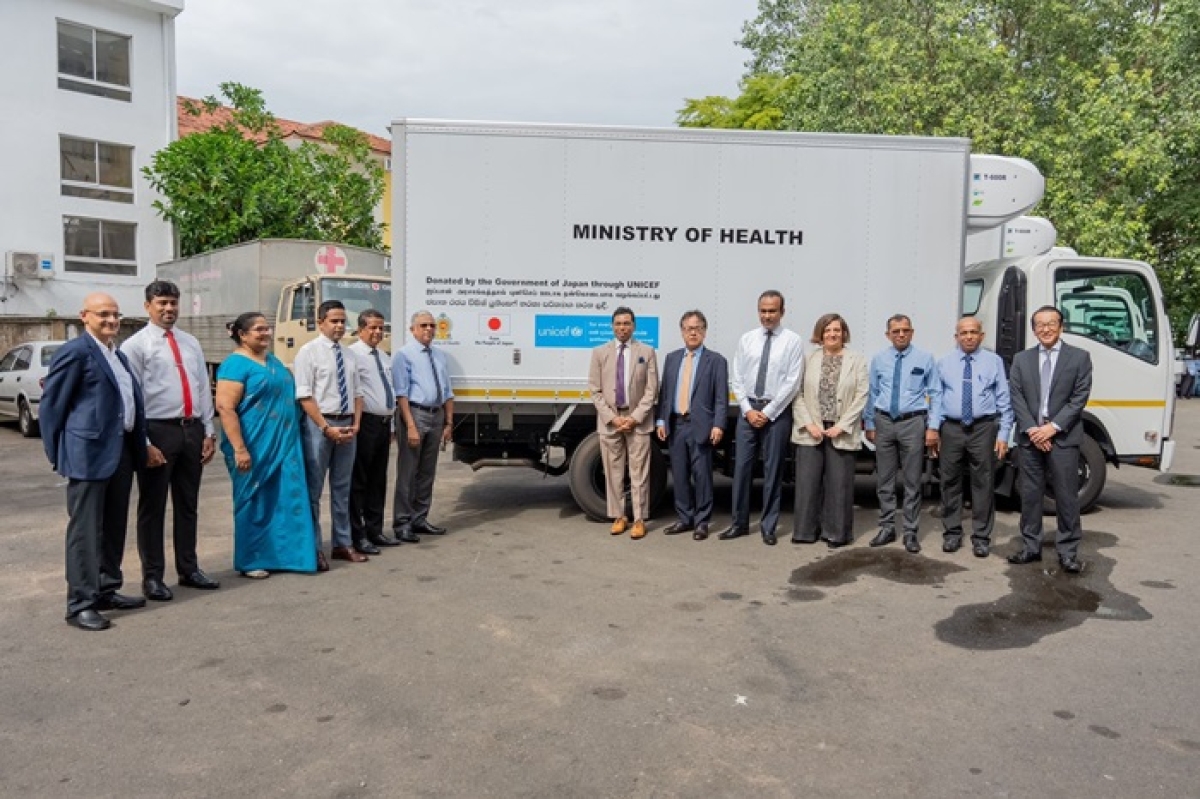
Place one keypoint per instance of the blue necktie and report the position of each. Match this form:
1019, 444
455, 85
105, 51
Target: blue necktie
968, 410
895, 408
390, 395
341, 378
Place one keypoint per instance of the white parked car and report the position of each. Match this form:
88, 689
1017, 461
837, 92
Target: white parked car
22, 373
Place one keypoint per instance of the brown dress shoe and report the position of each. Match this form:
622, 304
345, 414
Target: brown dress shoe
322, 564
346, 553
619, 526
639, 530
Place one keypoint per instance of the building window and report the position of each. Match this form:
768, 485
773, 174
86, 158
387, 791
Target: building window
93, 62
96, 170
99, 246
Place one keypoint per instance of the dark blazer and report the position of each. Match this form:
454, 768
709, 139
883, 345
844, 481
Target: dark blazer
1069, 390
710, 392
80, 415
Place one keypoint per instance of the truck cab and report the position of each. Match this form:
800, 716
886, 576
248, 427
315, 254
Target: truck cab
1113, 309
296, 317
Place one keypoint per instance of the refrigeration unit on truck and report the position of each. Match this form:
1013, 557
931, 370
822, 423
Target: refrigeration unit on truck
523, 239
285, 279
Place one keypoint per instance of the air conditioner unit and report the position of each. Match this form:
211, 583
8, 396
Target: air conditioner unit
29, 265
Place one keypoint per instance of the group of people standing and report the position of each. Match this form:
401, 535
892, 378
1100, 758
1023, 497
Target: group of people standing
146, 408
825, 398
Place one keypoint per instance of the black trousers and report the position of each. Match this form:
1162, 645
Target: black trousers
1060, 468
824, 494
772, 440
368, 482
973, 449
180, 477
99, 512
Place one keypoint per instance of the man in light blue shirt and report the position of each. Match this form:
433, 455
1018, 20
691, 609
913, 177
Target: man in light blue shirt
424, 420
902, 419
977, 420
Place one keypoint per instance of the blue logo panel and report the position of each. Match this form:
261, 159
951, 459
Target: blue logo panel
586, 332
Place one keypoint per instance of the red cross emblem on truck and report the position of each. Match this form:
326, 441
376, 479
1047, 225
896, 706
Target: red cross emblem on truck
331, 260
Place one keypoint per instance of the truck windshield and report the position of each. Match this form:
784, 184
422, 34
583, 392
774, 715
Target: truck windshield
359, 294
1114, 308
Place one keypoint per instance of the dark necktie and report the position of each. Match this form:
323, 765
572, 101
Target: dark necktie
968, 409
389, 395
894, 410
622, 400
341, 378
760, 383
437, 384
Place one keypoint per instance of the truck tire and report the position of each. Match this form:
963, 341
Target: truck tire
25, 421
588, 487
1093, 473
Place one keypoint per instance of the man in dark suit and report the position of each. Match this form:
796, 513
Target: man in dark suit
1050, 385
94, 432
693, 401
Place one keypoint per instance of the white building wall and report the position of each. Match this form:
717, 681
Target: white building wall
38, 112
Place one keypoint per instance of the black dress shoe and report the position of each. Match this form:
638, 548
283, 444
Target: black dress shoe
981, 550
383, 540
200, 580
154, 589
769, 539
701, 533
796, 540
951, 544
405, 535
88, 619
1023, 557
829, 542
1071, 565
365, 547
115, 601
912, 544
883, 537
734, 532
428, 529
677, 528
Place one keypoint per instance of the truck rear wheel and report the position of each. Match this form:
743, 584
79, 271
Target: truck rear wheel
1093, 473
588, 486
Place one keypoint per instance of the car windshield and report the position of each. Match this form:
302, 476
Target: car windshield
358, 295
48, 353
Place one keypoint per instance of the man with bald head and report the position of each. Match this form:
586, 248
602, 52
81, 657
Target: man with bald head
94, 433
976, 421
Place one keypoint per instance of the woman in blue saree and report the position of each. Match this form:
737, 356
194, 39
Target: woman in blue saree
256, 400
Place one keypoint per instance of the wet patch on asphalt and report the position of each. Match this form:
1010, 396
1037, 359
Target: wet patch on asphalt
846, 567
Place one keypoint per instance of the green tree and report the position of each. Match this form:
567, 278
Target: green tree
240, 181
1100, 94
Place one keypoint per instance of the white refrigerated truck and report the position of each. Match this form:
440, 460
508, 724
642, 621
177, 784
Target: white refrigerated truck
522, 240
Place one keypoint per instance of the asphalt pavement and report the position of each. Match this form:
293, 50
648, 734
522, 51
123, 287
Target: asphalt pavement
530, 653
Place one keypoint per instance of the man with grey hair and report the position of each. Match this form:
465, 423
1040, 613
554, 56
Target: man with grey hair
424, 419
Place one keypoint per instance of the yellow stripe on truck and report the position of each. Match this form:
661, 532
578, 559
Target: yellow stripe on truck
1102, 403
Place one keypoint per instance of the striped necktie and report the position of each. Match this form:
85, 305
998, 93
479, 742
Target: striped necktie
341, 378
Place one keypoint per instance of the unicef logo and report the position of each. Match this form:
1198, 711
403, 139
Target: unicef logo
577, 332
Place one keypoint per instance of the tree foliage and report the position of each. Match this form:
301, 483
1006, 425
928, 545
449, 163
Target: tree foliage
240, 181
1103, 95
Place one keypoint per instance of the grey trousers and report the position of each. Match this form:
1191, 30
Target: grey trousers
416, 467
824, 494
973, 448
899, 452
1059, 467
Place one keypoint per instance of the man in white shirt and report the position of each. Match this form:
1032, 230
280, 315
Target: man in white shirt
372, 448
767, 369
170, 365
328, 392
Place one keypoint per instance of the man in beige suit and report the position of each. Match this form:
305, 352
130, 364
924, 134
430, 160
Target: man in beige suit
623, 379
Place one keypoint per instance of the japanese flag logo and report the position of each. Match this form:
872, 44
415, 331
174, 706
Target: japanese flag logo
494, 325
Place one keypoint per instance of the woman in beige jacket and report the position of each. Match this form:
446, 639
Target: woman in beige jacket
827, 432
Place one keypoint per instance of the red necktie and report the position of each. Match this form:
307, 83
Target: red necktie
187, 389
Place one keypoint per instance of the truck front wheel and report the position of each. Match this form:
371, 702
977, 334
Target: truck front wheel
588, 487
1093, 473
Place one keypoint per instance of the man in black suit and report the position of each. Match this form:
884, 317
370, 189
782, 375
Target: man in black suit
1050, 385
94, 433
693, 400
